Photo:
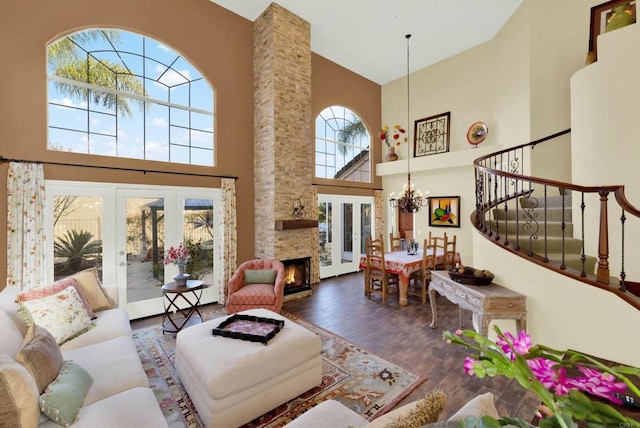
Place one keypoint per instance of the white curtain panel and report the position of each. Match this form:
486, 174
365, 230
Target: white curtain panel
26, 264
227, 253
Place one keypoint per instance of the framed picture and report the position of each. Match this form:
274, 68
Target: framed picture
444, 211
431, 135
600, 16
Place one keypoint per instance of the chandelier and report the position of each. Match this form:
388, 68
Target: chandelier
409, 200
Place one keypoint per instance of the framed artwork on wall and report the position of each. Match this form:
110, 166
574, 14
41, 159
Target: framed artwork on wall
602, 15
431, 135
444, 211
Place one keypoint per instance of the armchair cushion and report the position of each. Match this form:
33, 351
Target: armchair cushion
262, 276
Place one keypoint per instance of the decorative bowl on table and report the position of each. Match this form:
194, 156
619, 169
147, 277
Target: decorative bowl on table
471, 276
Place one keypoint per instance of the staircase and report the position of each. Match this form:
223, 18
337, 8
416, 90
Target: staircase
538, 227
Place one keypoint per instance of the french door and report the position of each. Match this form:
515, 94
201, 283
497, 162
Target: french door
132, 225
344, 223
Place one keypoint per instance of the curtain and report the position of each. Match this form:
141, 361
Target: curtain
227, 253
26, 240
315, 242
380, 228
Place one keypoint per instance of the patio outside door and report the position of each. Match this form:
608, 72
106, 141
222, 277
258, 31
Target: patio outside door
344, 223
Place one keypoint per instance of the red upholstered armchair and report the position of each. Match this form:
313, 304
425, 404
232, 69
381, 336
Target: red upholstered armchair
256, 284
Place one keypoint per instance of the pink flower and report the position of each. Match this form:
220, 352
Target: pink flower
178, 256
521, 344
470, 366
599, 384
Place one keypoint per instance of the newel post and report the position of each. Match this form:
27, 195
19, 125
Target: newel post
602, 275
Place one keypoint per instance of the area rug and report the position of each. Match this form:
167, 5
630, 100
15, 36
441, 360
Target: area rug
360, 380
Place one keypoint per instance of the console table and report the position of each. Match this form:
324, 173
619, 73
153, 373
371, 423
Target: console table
487, 302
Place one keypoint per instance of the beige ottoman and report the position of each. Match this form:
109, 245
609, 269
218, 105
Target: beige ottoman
232, 381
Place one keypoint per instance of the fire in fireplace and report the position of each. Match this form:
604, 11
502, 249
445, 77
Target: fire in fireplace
297, 275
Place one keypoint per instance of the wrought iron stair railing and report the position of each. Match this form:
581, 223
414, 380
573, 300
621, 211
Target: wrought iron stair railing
536, 219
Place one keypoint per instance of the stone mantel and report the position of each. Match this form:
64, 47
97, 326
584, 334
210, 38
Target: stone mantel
440, 161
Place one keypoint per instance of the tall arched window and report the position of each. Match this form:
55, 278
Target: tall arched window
116, 93
342, 146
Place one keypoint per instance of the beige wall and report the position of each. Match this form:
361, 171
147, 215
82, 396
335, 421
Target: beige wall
519, 83
217, 41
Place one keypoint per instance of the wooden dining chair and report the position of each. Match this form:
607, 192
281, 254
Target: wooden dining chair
419, 280
449, 259
395, 242
377, 279
439, 244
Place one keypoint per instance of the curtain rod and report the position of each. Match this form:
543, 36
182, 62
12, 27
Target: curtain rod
144, 171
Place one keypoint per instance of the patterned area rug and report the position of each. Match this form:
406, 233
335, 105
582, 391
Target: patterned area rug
362, 381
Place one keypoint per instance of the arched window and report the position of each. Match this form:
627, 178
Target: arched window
342, 146
116, 93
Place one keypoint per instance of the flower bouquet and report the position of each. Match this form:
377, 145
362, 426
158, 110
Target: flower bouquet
179, 257
563, 380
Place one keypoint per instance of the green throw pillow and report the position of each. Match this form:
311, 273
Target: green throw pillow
259, 276
62, 398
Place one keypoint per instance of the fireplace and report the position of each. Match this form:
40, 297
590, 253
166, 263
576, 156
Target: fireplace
297, 275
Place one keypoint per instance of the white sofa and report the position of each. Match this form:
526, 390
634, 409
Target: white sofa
119, 394
425, 412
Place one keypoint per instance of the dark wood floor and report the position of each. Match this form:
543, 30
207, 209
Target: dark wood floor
401, 334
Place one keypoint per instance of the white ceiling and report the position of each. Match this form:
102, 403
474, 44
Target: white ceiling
368, 36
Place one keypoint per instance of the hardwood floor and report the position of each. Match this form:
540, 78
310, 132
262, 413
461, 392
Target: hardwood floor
401, 334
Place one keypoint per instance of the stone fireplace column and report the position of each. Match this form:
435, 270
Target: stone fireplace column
282, 132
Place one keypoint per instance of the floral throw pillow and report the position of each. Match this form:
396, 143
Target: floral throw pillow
62, 314
37, 293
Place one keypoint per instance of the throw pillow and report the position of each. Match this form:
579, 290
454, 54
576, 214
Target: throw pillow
39, 292
41, 356
10, 337
62, 398
18, 395
426, 411
259, 276
480, 405
62, 314
91, 288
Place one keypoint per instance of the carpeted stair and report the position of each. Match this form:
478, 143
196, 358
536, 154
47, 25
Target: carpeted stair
532, 233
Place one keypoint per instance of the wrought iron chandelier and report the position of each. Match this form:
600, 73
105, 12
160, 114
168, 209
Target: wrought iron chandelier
409, 200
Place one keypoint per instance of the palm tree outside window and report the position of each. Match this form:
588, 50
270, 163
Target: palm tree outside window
116, 93
342, 146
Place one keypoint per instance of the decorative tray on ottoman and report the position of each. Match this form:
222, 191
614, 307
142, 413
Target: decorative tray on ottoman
468, 276
249, 327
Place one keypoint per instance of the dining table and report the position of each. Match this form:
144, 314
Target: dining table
404, 265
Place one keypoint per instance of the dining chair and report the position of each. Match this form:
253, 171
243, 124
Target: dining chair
439, 244
419, 280
377, 279
395, 242
449, 259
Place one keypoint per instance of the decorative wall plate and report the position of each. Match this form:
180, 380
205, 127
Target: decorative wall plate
477, 133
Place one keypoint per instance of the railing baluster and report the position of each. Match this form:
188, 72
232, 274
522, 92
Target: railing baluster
563, 226
546, 227
583, 256
623, 275
602, 274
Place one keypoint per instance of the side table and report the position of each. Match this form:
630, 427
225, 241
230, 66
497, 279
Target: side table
487, 302
181, 305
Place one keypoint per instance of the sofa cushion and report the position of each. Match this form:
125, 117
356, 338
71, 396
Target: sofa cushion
481, 405
109, 324
62, 314
18, 395
135, 407
91, 288
262, 276
41, 356
329, 413
114, 366
37, 293
415, 414
10, 337
62, 398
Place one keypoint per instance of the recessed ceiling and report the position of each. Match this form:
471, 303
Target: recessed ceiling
368, 36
